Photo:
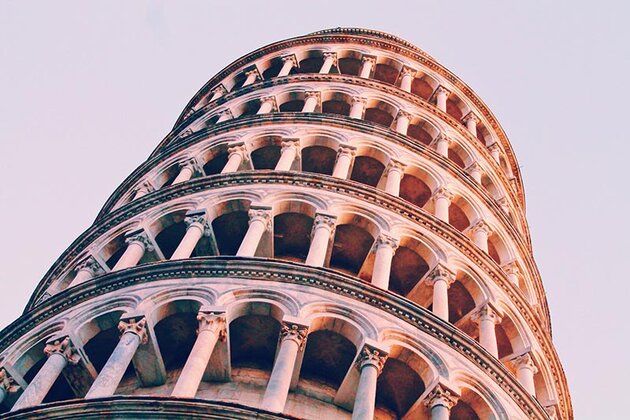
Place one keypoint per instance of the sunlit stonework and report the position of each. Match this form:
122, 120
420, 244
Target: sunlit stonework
335, 228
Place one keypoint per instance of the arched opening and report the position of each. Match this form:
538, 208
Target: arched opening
490, 186
456, 158
170, 231
454, 108
471, 406
423, 86
367, 170
312, 63
266, 157
492, 251
175, 332
216, 163
273, 69
60, 389
387, 71
253, 341
415, 190
354, 237
294, 105
397, 389
292, 236
114, 249
408, 267
349, 64
419, 131
379, 113
318, 159
457, 217
248, 108
335, 103
460, 301
230, 226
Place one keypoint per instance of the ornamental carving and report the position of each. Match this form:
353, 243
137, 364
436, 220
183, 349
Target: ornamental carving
371, 356
294, 332
63, 347
7, 382
214, 322
440, 273
91, 266
441, 396
135, 325
140, 238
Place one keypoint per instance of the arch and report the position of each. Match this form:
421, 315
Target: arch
422, 130
380, 112
349, 62
362, 327
214, 158
229, 220
292, 225
354, 236
387, 69
319, 153
410, 264
369, 164
265, 151
423, 85
336, 102
476, 400
417, 185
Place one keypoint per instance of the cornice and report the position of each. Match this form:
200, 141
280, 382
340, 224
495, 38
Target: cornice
140, 406
421, 218
295, 273
385, 42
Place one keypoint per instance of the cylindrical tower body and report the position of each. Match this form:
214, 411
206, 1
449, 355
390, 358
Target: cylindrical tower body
334, 228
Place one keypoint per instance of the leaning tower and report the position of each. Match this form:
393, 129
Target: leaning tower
334, 228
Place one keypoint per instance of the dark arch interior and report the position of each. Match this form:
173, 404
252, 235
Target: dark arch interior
229, 231
453, 110
414, 190
494, 254
336, 107
378, 116
59, 391
169, 238
327, 357
311, 65
457, 160
503, 342
386, 73
458, 218
421, 88
295, 105
367, 170
216, 164
318, 159
463, 411
292, 236
398, 387
176, 336
350, 66
460, 302
417, 132
273, 69
253, 341
407, 269
266, 157
250, 108
352, 244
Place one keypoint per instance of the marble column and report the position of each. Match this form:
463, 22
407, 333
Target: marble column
442, 143
196, 228
406, 78
224, 115
395, 171
402, 122
345, 155
385, 247
267, 105
252, 76
237, 153
218, 92
371, 362
480, 232
525, 371
512, 272
367, 64
487, 318
311, 100
289, 152
212, 328
441, 96
440, 278
60, 353
471, 121
259, 223
323, 230
7, 385
474, 170
330, 59
85, 270
133, 333
137, 243
288, 62
292, 341
357, 107
440, 401
186, 171
442, 200
495, 152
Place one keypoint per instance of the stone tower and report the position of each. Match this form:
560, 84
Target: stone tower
334, 228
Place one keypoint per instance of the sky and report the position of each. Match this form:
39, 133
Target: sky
88, 89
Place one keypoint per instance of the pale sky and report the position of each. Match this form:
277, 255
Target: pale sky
88, 89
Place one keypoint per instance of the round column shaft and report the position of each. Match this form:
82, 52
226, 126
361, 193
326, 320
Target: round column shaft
440, 278
370, 364
211, 330
236, 154
385, 247
137, 244
287, 155
441, 145
288, 63
323, 227
480, 232
252, 75
310, 102
440, 402
395, 173
345, 154
329, 61
402, 122
406, 79
86, 269
442, 200
277, 391
185, 173
195, 229
366, 67
525, 371
441, 96
357, 107
487, 319
224, 116
259, 221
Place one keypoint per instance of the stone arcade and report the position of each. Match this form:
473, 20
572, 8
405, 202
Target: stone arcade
334, 228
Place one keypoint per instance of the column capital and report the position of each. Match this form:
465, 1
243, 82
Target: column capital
198, 218
441, 90
237, 147
441, 396
290, 143
346, 149
504, 203
146, 186
294, 331
270, 99
330, 54
322, 219
470, 117
371, 355
487, 312
134, 324
404, 114
473, 167
481, 226
386, 240
368, 59
442, 192
251, 71
441, 137
358, 99
290, 58
313, 94
140, 237
396, 165
408, 71
7, 382
213, 320
226, 112
511, 268
524, 361
90, 265
62, 346
260, 213
192, 163
494, 147
219, 89
440, 272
